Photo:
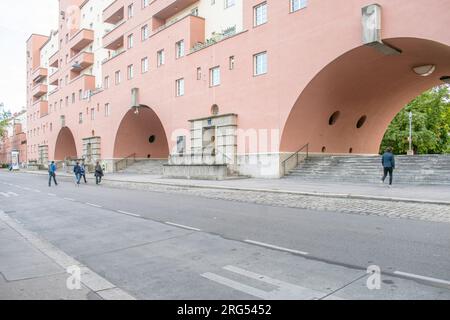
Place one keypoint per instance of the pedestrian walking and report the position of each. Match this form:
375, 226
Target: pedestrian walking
98, 173
77, 172
83, 172
52, 174
388, 162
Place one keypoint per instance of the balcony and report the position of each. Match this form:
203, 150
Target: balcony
87, 82
191, 28
114, 36
39, 74
39, 90
81, 61
43, 107
54, 60
81, 40
114, 13
53, 80
168, 8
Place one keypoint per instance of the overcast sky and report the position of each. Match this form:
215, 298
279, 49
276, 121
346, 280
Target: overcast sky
18, 20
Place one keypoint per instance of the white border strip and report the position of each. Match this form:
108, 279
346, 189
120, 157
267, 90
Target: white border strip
89, 278
271, 246
416, 276
93, 205
182, 226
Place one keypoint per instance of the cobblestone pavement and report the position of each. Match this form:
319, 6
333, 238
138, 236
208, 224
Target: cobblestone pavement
391, 209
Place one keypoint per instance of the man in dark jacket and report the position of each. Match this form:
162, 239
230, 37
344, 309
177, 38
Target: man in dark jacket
388, 162
98, 173
77, 172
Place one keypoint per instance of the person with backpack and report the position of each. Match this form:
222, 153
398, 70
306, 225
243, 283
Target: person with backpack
52, 174
388, 162
98, 173
77, 172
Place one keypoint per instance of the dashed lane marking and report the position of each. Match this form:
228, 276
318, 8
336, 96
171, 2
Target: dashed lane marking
93, 205
182, 226
271, 246
129, 213
419, 277
69, 199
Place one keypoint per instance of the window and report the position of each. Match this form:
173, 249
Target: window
117, 77
80, 94
106, 82
107, 110
145, 3
199, 73
80, 117
179, 49
260, 63
181, 144
130, 41
298, 4
231, 62
144, 65
160, 58
130, 11
67, 101
260, 14
130, 72
73, 97
92, 113
179, 87
144, 32
229, 3
214, 76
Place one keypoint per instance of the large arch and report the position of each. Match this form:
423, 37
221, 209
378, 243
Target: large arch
141, 134
65, 146
361, 83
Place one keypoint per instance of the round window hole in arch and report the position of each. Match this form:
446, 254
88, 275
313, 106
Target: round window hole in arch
361, 122
152, 139
334, 118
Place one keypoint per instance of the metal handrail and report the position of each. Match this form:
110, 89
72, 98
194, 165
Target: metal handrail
295, 154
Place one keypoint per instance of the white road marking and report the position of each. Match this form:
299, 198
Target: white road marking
89, 278
284, 290
69, 199
128, 213
93, 205
271, 246
416, 276
36, 190
51, 194
182, 226
9, 194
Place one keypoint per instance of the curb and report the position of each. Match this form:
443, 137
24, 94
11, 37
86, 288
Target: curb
279, 191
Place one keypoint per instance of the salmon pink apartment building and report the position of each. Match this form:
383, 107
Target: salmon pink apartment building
216, 87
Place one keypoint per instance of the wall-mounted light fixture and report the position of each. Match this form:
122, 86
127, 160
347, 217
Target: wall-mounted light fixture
425, 70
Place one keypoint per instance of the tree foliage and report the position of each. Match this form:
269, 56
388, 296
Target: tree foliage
431, 124
4, 122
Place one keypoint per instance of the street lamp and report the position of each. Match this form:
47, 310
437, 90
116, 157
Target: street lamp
410, 151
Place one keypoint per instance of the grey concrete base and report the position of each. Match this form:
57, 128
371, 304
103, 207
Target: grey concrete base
205, 172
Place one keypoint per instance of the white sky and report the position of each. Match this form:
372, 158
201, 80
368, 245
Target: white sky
18, 20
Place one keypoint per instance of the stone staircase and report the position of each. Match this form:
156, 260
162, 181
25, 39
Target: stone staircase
426, 169
151, 167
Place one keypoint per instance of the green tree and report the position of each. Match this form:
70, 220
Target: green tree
431, 124
4, 121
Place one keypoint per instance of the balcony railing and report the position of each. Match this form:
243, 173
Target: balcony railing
82, 61
81, 39
39, 74
225, 34
39, 90
114, 12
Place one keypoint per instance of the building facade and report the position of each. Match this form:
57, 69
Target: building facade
13, 144
241, 84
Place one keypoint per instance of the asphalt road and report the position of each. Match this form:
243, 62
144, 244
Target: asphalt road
146, 240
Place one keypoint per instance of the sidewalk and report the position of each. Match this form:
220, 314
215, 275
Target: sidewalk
433, 194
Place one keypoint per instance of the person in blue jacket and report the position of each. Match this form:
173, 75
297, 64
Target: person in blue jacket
388, 162
52, 174
77, 172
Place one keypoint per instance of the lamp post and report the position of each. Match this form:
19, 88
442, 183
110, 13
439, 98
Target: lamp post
410, 151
